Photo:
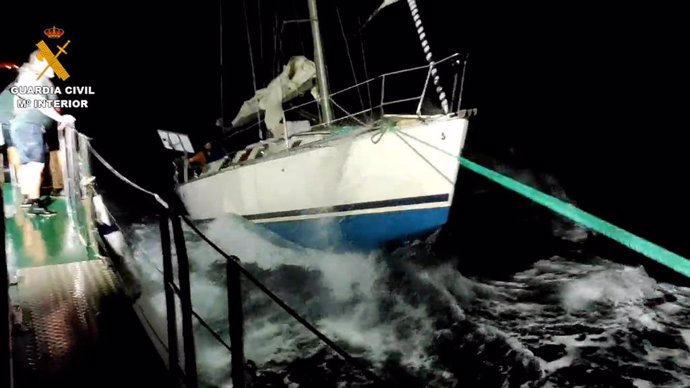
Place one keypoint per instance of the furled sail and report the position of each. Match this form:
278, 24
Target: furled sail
296, 78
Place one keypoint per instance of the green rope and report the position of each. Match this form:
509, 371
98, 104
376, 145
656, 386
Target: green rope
636, 243
342, 130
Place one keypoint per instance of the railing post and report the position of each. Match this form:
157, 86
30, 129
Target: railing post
87, 192
76, 172
236, 322
5, 338
72, 167
171, 314
462, 81
64, 162
185, 169
421, 98
383, 93
191, 380
68, 179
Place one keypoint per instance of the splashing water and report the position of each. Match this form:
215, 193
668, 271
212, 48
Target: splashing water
559, 323
563, 322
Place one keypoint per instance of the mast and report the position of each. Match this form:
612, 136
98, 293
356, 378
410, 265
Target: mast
326, 111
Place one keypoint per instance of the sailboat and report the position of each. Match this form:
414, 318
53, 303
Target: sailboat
357, 181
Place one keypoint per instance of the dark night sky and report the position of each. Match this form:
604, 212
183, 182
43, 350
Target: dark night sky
597, 97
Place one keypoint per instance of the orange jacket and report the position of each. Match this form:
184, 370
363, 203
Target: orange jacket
199, 157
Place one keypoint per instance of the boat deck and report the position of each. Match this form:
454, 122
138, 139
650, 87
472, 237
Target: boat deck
78, 329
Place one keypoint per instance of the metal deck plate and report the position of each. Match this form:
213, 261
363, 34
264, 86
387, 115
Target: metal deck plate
36, 240
83, 332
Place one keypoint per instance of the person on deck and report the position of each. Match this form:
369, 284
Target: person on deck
6, 115
27, 128
209, 154
213, 152
55, 161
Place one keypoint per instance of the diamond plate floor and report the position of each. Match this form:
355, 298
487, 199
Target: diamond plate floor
83, 331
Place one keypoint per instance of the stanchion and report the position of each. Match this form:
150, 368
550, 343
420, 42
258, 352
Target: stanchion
236, 323
185, 304
171, 314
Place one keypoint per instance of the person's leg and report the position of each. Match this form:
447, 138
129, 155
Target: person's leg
2, 165
56, 172
31, 179
52, 140
17, 157
28, 139
12, 155
13, 161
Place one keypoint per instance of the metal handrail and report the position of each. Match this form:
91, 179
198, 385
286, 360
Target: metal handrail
76, 168
381, 77
77, 151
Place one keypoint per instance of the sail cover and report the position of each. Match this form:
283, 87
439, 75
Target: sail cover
296, 78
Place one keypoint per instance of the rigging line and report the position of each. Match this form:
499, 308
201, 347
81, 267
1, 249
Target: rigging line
251, 58
276, 56
220, 49
249, 43
423, 158
299, 30
349, 54
348, 114
261, 38
364, 63
462, 80
452, 94
408, 70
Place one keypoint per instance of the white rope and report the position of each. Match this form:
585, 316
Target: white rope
423, 158
251, 58
249, 43
126, 180
376, 137
349, 55
364, 66
348, 114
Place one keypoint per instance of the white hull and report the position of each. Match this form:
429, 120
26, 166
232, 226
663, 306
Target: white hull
410, 168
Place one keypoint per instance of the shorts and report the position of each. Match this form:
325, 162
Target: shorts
28, 139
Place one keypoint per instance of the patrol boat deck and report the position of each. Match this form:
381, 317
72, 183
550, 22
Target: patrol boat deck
78, 329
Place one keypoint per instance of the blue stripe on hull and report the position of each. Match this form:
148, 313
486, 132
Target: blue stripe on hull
364, 231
